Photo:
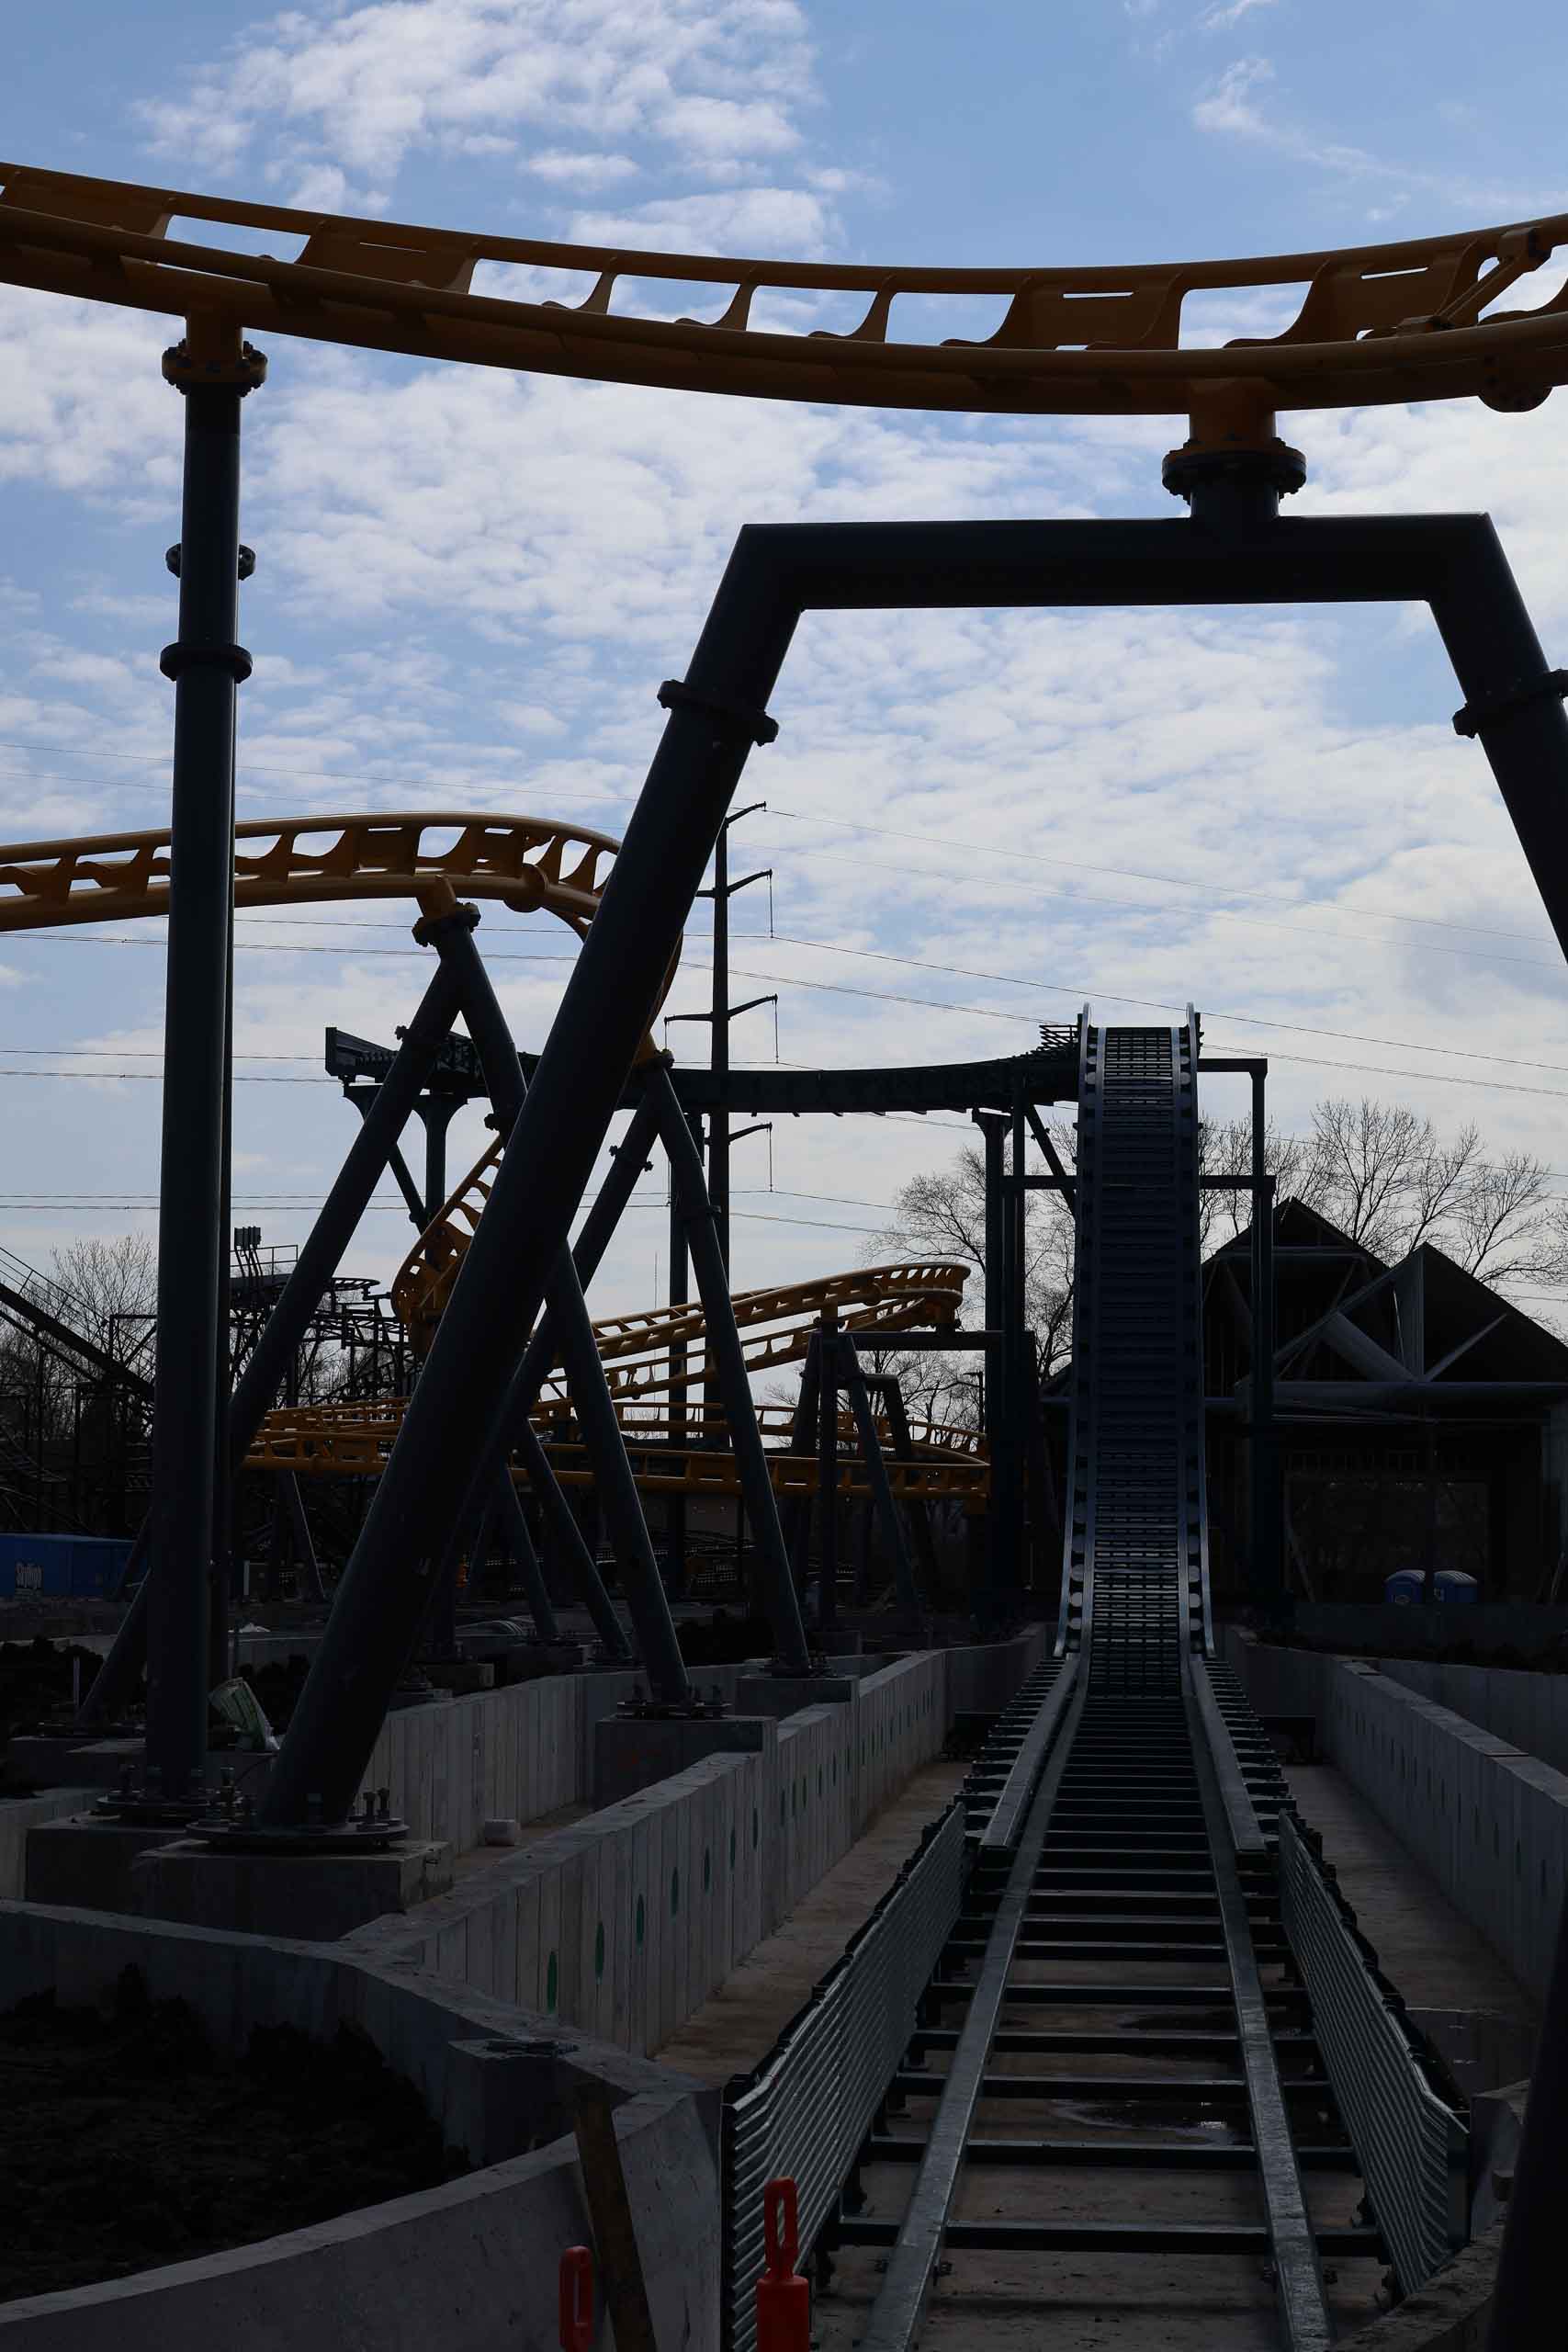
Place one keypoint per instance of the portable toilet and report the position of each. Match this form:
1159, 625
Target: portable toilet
1404, 1587
1452, 1585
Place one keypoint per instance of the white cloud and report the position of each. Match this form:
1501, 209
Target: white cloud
359, 88
565, 169
1226, 14
1231, 108
790, 222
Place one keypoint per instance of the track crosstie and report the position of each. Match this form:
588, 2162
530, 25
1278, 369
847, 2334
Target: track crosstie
1112, 2125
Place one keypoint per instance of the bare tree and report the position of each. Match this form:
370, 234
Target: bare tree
942, 1214
111, 1286
1507, 1227
1226, 1148
1369, 1161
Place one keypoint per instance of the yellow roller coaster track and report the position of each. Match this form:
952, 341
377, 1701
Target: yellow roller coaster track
1405, 322
645, 1354
528, 862
354, 1441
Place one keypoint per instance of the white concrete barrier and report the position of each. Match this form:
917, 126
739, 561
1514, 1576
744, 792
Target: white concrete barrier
1489, 1822
626, 1923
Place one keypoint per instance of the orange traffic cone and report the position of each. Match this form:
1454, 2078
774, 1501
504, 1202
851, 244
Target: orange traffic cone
784, 2302
576, 2299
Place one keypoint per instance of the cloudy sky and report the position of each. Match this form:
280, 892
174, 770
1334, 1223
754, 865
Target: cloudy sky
469, 584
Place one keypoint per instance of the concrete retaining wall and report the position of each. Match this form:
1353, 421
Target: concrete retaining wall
1529, 1711
18, 1816
527, 1750
514, 1753
1489, 1822
624, 1923
471, 2266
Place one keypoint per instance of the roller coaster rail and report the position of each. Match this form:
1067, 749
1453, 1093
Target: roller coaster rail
528, 862
1409, 321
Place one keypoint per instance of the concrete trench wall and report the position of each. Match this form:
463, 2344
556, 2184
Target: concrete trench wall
516, 1753
471, 2266
1489, 1822
624, 1923
1528, 1710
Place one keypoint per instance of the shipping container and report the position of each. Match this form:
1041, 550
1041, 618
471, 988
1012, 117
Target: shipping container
61, 1567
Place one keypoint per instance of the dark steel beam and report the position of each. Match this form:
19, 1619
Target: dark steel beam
885, 1508
207, 665
614, 1484
381, 1123
700, 1224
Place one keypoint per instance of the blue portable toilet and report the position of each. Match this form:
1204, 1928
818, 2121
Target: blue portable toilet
1449, 1585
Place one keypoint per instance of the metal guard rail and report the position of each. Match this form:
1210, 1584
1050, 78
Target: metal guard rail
807, 2110
1412, 2147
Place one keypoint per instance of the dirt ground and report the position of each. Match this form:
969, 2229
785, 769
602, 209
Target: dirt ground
127, 2141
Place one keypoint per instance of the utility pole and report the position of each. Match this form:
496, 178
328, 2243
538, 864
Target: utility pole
720, 1136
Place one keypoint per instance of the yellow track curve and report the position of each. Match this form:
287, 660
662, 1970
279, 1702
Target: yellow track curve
528, 862
1402, 321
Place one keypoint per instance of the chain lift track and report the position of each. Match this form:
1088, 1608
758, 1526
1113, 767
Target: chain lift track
1120, 1916
1136, 1569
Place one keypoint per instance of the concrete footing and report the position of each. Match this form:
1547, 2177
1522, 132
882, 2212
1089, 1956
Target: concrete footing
81, 1762
84, 1864
785, 1694
315, 1896
630, 1752
460, 1675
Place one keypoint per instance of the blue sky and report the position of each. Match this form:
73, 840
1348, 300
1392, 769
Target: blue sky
469, 585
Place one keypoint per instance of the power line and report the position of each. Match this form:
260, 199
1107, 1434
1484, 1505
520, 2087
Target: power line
966, 848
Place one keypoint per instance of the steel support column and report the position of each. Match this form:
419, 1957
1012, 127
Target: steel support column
381, 1123
680, 1387
876, 1473
513, 1428
827, 1471
512, 1530
791, 1652
562, 1525
614, 1484
994, 1415
207, 665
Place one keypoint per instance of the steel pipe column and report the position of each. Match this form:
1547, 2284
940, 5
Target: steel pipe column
513, 1429
792, 1652
381, 1123
614, 1484
885, 1508
207, 665
827, 1471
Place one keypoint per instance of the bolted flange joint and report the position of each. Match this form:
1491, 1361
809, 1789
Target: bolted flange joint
240, 368
437, 921
1270, 465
